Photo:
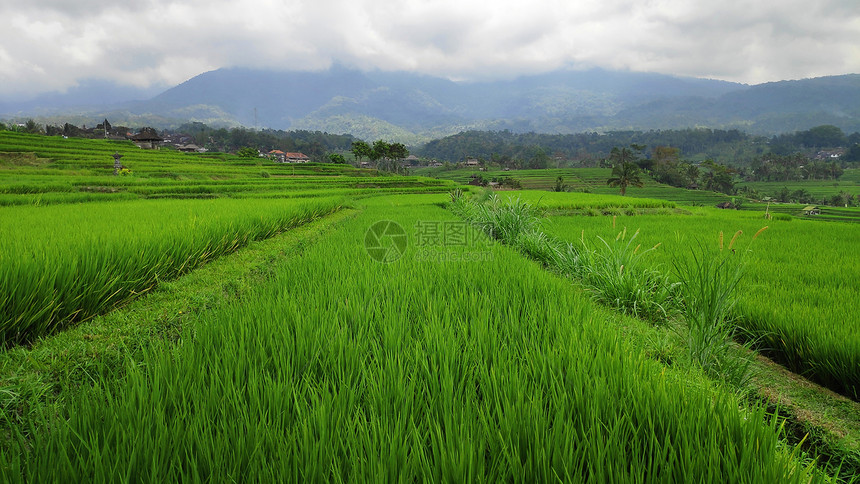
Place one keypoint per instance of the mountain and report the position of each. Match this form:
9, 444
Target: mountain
412, 108
770, 108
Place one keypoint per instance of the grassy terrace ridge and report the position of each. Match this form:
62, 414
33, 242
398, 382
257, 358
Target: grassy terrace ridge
41, 170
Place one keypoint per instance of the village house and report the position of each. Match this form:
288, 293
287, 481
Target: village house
829, 155
278, 156
472, 162
190, 148
147, 139
296, 158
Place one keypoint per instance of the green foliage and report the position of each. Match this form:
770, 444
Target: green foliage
32, 127
337, 158
401, 373
361, 150
414, 371
248, 152
710, 286
507, 182
617, 274
799, 300
514, 150
614, 272
503, 221
624, 174
65, 265
772, 167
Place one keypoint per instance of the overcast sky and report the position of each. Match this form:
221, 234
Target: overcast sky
50, 45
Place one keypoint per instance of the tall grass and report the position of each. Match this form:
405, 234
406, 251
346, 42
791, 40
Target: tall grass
613, 271
62, 264
801, 299
710, 284
617, 272
345, 370
619, 276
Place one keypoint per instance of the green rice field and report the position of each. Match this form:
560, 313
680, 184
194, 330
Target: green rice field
199, 321
589, 180
802, 302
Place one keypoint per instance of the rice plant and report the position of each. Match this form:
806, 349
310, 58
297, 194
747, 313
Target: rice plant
613, 271
60, 264
800, 301
343, 369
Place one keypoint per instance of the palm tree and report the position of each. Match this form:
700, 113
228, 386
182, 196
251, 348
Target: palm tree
623, 155
624, 175
691, 171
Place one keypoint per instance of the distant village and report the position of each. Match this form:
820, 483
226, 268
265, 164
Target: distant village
149, 139
146, 138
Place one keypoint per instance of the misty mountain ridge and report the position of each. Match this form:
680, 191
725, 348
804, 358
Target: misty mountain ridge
412, 108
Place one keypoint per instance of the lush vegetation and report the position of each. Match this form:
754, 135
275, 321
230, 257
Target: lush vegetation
44, 170
64, 263
734, 147
535, 150
457, 360
112, 252
400, 372
802, 294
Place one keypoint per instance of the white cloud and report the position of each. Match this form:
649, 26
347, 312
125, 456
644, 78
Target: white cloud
52, 44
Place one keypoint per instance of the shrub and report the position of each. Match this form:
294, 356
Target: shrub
617, 275
710, 282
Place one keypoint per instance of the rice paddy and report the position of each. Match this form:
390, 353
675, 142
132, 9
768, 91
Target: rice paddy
802, 304
428, 351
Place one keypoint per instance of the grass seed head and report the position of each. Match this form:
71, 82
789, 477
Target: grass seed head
732, 243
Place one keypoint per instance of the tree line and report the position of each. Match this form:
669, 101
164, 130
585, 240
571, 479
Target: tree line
315, 144
385, 156
666, 166
728, 147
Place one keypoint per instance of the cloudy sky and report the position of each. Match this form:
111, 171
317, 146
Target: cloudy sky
50, 45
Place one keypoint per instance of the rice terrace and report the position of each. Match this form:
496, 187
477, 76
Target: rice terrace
230, 316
